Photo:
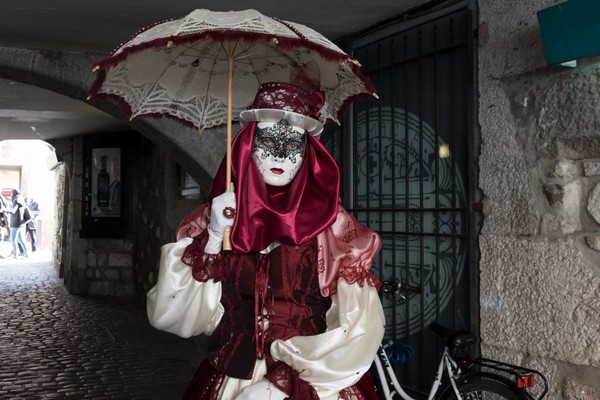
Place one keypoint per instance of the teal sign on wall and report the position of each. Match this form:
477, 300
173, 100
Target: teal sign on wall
570, 30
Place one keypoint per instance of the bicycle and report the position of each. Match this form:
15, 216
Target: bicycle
468, 379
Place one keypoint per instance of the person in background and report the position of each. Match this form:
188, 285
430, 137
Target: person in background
3, 219
31, 226
292, 310
18, 216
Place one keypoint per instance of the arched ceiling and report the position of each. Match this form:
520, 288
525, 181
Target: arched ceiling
29, 112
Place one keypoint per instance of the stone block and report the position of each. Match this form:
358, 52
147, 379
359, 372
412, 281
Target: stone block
593, 242
102, 259
129, 245
539, 297
557, 224
121, 289
91, 260
593, 204
578, 148
564, 169
565, 201
554, 193
96, 288
112, 274
110, 288
578, 391
108, 245
126, 275
591, 168
572, 203
120, 260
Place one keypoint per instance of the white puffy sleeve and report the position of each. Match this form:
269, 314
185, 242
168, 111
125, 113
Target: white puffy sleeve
339, 357
178, 303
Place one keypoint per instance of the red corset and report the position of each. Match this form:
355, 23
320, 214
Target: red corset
266, 297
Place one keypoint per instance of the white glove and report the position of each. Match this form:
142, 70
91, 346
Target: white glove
222, 204
261, 390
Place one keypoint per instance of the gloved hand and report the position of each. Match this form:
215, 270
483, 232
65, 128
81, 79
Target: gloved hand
260, 390
223, 206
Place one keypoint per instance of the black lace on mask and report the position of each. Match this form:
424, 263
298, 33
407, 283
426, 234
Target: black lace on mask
280, 141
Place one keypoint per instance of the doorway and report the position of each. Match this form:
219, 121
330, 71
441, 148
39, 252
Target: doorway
29, 166
408, 170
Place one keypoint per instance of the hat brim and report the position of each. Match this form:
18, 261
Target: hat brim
311, 125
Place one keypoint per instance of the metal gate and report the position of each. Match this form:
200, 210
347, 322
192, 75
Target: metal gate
407, 168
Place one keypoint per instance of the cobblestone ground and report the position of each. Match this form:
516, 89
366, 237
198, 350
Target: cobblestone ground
57, 346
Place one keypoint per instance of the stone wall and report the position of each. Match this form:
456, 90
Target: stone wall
160, 208
540, 151
109, 267
121, 267
73, 261
57, 240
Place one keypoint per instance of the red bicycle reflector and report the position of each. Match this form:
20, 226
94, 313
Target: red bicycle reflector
525, 381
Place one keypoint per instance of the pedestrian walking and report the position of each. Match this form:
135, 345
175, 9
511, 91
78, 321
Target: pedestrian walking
31, 226
3, 219
18, 215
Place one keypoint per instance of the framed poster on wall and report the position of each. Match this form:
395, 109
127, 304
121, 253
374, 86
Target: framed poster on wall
108, 182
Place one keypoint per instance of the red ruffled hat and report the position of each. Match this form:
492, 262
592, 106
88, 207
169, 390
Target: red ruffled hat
281, 100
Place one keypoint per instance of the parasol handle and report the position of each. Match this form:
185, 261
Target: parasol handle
226, 238
227, 232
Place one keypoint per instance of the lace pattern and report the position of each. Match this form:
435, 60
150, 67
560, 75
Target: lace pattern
190, 81
204, 266
288, 381
356, 275
202, 21
346, 250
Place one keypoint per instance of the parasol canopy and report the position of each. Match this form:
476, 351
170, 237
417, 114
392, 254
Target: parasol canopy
185, 68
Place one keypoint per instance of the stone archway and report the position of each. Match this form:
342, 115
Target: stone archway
70, 74
199, 155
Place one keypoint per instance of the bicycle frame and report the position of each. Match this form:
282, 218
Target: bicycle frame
457, 367
446, 364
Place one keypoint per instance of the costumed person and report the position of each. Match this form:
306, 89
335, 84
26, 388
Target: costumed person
292, 310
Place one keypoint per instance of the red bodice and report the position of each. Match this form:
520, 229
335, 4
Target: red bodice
266, 297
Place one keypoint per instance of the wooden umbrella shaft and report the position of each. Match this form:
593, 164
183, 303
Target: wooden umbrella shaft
227, 232
229, 113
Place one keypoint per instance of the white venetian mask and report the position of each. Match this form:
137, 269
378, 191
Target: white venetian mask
278, 151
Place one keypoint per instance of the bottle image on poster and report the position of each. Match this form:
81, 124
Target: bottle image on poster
103, 194
106, 182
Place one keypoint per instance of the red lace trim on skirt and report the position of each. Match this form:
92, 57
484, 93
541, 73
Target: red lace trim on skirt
288, 381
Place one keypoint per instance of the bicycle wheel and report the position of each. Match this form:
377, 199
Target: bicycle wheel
483, 389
